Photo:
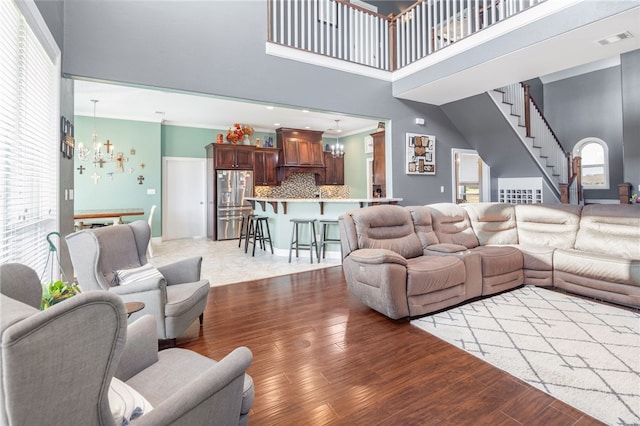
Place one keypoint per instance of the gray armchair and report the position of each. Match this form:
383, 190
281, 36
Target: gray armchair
57, 365
175, 299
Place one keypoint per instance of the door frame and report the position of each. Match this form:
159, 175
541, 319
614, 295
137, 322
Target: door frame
202, 163
485, 185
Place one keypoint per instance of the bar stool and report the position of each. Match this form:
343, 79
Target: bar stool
256, 231
325, 227
244, 227
295, 243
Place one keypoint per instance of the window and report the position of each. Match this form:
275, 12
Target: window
595, 163
29, 147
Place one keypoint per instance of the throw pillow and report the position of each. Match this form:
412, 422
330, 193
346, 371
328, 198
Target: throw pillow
126, 403
128, 276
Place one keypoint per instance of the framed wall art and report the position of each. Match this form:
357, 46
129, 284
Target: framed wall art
421, 154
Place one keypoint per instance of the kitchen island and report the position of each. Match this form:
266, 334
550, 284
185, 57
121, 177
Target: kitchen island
281, 210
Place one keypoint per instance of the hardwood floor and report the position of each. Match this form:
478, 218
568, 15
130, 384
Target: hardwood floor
321, 357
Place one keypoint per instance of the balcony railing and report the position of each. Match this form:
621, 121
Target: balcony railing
342, 30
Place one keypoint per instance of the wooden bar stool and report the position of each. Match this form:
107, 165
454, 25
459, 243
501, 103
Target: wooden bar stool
325, 226
256, 231
295, 243
244, 227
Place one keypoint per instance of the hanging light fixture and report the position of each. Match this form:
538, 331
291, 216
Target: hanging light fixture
337, 150
84, 153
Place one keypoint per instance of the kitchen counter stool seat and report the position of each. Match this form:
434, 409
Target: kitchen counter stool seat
312, 245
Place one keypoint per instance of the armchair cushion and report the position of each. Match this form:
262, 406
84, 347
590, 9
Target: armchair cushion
134, 275
126, 403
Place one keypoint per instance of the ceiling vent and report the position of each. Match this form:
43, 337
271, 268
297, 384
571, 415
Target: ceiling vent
615, 38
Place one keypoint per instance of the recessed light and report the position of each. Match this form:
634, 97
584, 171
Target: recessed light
615, 38
307, 127
305, 110
276, 124
270, 107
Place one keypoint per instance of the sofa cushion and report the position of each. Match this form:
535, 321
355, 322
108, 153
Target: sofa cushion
451, 225
612, 230
422, 223
499, 260
611, 268
427, 274
537, 258
493, 223
387, 227
553, 225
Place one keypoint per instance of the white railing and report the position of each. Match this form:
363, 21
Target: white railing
430, 25
332, 28
543, 143
345, 31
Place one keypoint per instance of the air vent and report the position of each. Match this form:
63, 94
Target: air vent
615, 38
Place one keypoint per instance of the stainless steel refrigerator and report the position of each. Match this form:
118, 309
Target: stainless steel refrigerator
232, 186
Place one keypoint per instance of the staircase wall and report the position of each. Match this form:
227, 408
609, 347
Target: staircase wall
590, 105
487, 131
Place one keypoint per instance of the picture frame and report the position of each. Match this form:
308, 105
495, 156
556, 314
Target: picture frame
368, 144
420, 154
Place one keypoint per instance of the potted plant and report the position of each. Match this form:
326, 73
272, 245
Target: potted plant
57, 291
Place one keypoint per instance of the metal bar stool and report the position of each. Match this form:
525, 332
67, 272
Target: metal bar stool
325, 226
256, 231
244, 228
295, 243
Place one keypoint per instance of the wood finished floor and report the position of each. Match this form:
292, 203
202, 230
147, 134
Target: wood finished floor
321, 357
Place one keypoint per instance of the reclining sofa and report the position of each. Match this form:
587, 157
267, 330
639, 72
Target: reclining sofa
412, 261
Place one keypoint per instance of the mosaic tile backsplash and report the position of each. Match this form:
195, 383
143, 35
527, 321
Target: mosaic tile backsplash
302, 185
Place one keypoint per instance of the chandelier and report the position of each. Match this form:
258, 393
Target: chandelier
95, 153
337, 150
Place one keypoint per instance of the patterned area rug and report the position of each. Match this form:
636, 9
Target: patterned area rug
581, 352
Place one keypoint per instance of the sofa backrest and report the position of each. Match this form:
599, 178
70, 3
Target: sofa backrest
612, 229
382, 227
423, 225
553, 225
493, 223
452, 225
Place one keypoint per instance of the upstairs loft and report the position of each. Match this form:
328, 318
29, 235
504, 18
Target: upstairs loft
440, 51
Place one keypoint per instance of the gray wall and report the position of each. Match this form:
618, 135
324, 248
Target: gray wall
195, 46
589, 105
630, 71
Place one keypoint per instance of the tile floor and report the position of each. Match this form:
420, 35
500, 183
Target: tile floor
224, 263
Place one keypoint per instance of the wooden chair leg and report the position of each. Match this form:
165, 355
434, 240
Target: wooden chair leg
201, 319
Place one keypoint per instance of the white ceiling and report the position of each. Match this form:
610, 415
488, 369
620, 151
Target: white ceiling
186, 109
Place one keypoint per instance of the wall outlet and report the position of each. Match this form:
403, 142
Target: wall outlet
442, 189
151, 191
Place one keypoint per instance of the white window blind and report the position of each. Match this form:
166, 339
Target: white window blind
29, 141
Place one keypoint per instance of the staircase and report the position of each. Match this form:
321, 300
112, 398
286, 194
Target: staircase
533, 130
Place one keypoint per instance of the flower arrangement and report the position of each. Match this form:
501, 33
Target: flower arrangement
634, 199
237, 132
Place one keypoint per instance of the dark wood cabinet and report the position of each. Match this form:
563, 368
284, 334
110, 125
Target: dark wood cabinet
238, 157
334, 171
300, 147
379, 164
265, 162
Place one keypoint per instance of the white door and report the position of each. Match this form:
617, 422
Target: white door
183, 198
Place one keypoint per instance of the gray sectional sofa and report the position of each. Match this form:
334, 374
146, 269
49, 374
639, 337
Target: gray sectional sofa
411, 261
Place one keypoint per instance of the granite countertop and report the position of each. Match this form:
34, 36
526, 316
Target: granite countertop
327, 200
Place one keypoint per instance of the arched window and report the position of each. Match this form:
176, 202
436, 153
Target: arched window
595, 162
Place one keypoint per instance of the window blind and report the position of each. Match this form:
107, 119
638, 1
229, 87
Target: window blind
29, 146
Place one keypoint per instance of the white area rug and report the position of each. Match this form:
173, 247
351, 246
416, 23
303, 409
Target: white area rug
583, 353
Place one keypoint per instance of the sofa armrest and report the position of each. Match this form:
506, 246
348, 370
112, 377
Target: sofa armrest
377, 257
183, 271
140, 350
445, 248
216, 391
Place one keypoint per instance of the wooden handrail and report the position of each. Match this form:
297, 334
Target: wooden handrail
527, 118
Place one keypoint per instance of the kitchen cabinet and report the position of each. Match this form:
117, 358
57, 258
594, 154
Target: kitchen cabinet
238, 157
379, 164
300, 148
265, 163
334, 171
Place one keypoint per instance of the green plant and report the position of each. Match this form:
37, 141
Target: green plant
56, 292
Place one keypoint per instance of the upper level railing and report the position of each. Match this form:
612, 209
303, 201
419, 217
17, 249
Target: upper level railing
342, 30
